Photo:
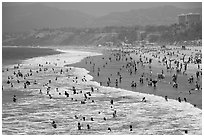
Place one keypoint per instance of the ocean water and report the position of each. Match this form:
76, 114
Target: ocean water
13, 55
34, 113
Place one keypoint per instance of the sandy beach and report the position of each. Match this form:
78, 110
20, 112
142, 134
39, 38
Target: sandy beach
164, 87
61, 90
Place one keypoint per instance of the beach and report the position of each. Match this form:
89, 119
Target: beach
71, 89
164, 87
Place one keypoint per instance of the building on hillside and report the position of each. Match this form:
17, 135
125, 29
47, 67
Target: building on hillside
182, 19
192, 18
189, 19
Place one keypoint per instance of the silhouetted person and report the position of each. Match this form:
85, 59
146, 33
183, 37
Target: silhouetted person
79, 126
143, 99
179, 99
14, 98
111, 102
54, 124
84, 118
130, 127
88, 126
166, 98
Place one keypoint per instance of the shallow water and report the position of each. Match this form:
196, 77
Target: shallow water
13, 55
33, 115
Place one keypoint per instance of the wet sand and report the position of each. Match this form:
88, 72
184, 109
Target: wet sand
35, 113
110, 69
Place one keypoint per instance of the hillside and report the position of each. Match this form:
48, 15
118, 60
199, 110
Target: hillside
164, 15
57, 37
36, 16
94, 36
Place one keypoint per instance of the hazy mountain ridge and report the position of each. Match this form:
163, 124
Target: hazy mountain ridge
34, 16
24, 18
165, 15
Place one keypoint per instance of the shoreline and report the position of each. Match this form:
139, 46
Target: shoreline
81, 64
24, 62
63, 108
194, 99
19, 61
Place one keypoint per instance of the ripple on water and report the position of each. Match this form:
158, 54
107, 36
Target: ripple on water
34, 114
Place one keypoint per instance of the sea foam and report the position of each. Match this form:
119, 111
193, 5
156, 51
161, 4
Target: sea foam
33, 115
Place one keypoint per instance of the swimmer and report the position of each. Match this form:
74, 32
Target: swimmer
40, 91
66, 93
24, 85
79, 126
54, 124
82, 102
109, 129
111, 102
85, 96
143, 99
130, 127
186, 131
76, 117
88, 127
114, 115
50, 96
92, 89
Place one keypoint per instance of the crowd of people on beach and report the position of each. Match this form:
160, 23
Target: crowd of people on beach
174, 62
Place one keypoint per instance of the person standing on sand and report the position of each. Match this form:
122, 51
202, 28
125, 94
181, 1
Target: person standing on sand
179, 99
14, 98
185, 67
116, 83
166, 98
197, 74
120, 79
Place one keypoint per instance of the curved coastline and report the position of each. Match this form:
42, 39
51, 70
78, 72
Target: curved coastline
140, 90
19, 61
119, 91
64, 51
